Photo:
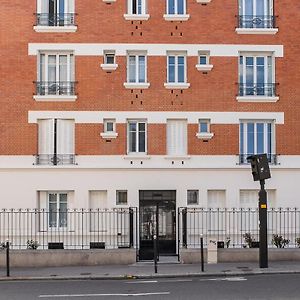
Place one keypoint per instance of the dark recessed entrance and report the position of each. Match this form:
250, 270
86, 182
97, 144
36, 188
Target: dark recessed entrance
157, 216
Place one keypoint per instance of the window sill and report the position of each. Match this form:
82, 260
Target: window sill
109, 67
55, 28
203, 1
109, 1
204, 68
49, 98
132, 85
176, 86
257, 99
204, 136
176, 17
130, 17
256, 30
109, 135
177, 157
136, 156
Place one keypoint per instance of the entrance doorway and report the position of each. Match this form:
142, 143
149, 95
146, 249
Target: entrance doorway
157, 216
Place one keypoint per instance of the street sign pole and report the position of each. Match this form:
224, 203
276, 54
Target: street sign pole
263, 222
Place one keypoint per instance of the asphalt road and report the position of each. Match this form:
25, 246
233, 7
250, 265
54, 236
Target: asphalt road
249, 287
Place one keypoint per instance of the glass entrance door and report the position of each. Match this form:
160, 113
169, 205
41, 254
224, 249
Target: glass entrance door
157, 217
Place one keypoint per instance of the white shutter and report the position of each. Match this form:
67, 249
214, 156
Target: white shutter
70, 6
46, 136
43, 211
216, 199
65, 136
43, 6
249, 198
98, 199
176, 137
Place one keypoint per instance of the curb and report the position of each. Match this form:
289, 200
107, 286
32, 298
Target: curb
149, 276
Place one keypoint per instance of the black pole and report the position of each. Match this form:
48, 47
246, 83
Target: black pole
263, 234
202, 254
155, 253
7, 259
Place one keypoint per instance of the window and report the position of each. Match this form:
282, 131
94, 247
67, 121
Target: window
192, 197
136, 137
56, 74
177, 68
109, 57
136, 68
176, 137
216, 198
256, 14
137, 7
121, 197
256, 138
249, 198
55, 13
58, 216
256, 75
56, 142
204, 126
203, 59
109, 125
176, 7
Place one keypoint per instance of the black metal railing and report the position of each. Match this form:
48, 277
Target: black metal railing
69, 229
45, 19
272, 158
55, 159
229, 226
59, 88
258, 21
257, 89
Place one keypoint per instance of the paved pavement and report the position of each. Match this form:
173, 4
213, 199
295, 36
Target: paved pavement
146, 270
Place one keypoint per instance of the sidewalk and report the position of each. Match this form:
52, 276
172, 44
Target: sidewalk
146, 270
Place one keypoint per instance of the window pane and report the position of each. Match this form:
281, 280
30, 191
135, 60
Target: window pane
132, 137
181, 69
63, 210
109, 126
52, 210
250, 138
132, 69
51, 68
180, 7
42, 67
171, 7
260, 77
249, 76
140, 7
109, 59
171, 70
203, 60
249, 7
121, 197
242, 138
269, 146
134, 6
204, 127
63, 70
260, 138
142, 69
192, 197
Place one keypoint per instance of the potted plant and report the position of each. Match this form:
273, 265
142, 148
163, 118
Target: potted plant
32, 245
250, 241
279, 241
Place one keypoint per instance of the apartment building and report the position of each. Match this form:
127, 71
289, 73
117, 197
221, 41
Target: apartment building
148, 104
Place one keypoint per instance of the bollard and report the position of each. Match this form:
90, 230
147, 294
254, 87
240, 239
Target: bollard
202, 254
155, 253
7, 259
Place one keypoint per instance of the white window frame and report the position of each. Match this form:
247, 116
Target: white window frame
137, 55
245, 140
176, 8
106, 121
107, 53
187, 197
207, 122
130, 7
57, 212
177, 55
117, 197
137, 137
268, 10
204, 135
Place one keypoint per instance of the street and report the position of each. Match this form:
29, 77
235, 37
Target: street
248, 287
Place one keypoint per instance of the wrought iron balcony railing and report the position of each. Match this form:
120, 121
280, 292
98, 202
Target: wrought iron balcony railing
250, 21
59, 88
55, 159
272, 158
257, 89
55, 19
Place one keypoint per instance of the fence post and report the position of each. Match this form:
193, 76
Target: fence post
155, 252
184, 228
131, 244
7, 259
202, 254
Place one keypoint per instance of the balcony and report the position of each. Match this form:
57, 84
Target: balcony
55, 91
272, 158
249, 24
55, 159
55, 22
257, 92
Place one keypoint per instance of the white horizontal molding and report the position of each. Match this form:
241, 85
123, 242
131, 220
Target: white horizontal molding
177, 157
109, 135
136, 156
109, 1
256, 30
144, 17
257, 99
204, 135
109, 67
82, 49
203, 1
155, 117
55, 28
54, 98
204, 68
136, 85
175, 17
176, 86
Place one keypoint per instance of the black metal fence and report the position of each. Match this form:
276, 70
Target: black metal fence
258, 89
55, 159
59, 19
69, 229
55, 88
232, 227
256, 21
272, 158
